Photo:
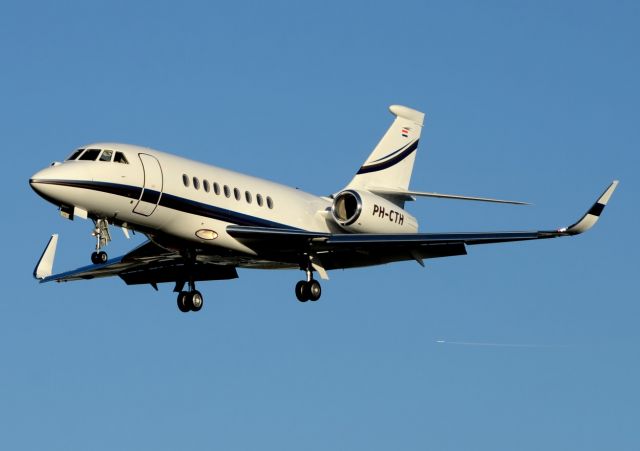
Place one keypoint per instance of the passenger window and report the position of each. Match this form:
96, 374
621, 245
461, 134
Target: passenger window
90, 155
259, 199
75, 154
120, 158
106, 155
236, 193
205, 185
216, 188
196, 183
269, 202
185, 180
247, 196
227, 192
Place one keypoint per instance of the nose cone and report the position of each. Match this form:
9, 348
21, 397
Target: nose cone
44, 182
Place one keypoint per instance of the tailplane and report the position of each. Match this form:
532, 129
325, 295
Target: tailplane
391, 163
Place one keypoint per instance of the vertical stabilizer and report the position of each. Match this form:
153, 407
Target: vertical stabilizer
391, 163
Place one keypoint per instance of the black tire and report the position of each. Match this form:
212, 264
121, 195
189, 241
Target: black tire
94, 258
314, 290
102, 257
196, 301
301, 291
183, 304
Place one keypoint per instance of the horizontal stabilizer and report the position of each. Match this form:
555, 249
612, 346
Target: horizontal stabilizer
408, 195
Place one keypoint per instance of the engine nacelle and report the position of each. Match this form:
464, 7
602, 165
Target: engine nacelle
364, 212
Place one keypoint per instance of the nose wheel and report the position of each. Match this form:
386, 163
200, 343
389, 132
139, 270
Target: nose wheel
99, 257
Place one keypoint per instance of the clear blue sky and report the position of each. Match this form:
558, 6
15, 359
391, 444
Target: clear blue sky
535, 101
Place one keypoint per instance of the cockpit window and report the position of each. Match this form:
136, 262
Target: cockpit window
75, 154
120, 158
106, 155
90, 155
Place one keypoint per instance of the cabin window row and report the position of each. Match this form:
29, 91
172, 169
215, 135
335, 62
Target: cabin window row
226, 190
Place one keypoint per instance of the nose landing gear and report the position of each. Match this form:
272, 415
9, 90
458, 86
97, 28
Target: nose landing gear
101, 232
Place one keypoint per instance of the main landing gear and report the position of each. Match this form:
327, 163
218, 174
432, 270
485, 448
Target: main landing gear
190, 301
308, 290
101, 232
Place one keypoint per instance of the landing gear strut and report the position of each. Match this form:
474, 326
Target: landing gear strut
308, 290
101, 232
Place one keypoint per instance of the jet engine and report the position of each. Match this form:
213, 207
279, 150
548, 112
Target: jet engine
364, 212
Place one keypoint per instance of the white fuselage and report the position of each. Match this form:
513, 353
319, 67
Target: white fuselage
166, 195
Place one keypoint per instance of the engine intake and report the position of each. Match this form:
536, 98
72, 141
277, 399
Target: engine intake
347, 207
364, 212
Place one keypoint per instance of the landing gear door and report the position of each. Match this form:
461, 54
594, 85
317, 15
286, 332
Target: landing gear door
152, 185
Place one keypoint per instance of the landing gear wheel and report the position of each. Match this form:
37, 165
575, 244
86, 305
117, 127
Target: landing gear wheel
196, 301
308, 291
301, 291
190, 301
313, 290
99, 257
183, 304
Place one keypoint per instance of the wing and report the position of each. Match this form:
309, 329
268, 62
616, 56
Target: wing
350, 250
148, 263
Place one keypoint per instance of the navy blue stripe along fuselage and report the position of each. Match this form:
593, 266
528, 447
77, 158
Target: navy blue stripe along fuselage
171, 201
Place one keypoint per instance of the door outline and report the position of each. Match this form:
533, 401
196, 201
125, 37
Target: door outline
152, 179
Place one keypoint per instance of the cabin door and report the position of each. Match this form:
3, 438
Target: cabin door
152, 185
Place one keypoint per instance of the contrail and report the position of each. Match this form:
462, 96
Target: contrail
498, 345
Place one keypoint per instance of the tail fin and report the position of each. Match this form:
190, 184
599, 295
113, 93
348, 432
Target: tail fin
391, 163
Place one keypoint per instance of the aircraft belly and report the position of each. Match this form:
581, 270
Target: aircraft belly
206, 232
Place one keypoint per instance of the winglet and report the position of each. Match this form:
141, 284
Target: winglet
44, 268
591, 216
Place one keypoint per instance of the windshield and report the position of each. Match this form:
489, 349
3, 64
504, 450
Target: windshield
75, 154
105, 155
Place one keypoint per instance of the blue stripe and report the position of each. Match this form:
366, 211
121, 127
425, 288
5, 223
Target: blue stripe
391, 162
392, 153
172, 201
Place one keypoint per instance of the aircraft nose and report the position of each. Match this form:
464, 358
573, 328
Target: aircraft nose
40, 182
40, 177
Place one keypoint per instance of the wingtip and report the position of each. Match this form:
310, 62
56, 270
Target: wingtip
593, 214
44, 268
606, 195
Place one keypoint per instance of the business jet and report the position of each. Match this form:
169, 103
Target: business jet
203, 222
